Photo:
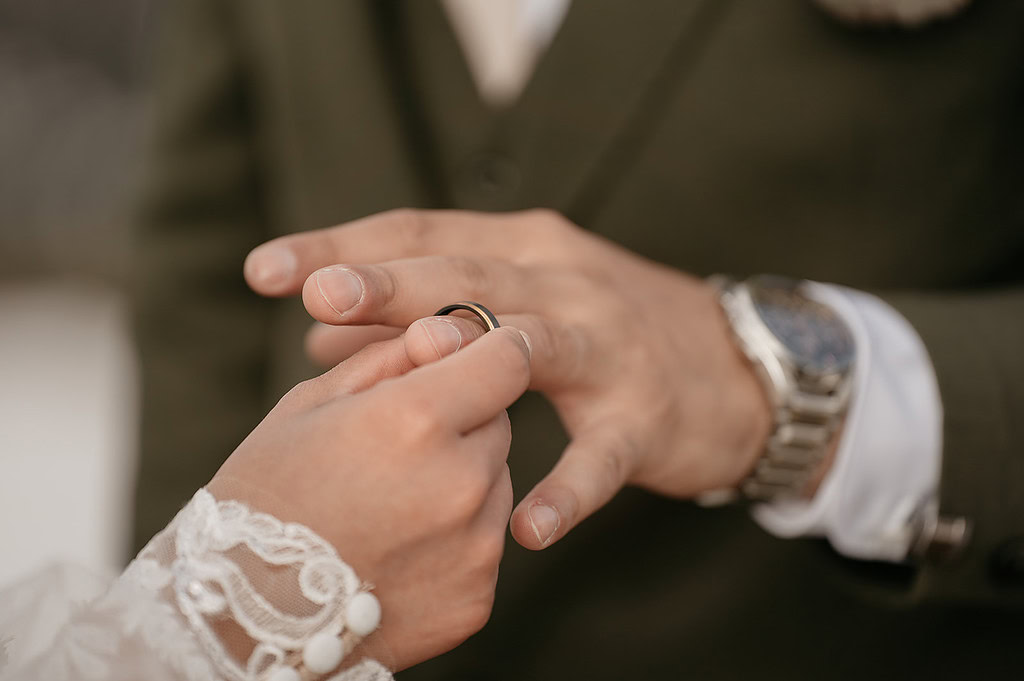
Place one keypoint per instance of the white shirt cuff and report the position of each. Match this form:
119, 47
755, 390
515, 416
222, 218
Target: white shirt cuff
888, 462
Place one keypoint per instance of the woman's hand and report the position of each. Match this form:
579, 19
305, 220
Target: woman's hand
405, 476
636, 357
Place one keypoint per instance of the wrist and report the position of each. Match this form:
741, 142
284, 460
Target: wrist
753, 420
746, 431
257, 592
800, 353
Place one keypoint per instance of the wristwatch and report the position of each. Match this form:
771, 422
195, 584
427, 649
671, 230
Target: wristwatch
803, 354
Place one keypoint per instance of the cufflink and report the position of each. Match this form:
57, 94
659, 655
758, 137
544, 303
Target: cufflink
938, 538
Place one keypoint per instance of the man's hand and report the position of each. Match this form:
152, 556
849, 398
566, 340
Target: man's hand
636, 357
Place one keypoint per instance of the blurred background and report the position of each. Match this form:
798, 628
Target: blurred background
72, 104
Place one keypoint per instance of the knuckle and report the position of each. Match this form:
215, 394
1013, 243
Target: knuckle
322, 241
505, 425
556, 227
561, 349
476, 614
488, 551
547, 344
417, 424
410, 226
540, 224
612, 461
590, 285
574, 349
466, 498
300, 395
540, 234
383, 286
511, 360
510, 352
546, 218
472, 274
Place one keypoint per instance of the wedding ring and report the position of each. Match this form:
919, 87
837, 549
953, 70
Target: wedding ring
481, 312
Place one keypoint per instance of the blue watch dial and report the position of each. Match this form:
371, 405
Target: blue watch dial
812, 333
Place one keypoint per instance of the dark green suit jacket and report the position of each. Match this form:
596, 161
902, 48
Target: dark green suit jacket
712, 135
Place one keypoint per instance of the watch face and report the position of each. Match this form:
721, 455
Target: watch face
812, 333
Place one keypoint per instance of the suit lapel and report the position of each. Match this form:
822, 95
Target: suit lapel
588, 93
575, 114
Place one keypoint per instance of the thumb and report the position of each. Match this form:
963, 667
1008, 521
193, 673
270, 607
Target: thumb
593, 468
432, 338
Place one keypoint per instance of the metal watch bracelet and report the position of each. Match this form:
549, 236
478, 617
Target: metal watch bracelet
807, 407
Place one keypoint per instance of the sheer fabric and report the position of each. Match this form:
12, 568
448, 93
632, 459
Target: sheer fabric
222, 594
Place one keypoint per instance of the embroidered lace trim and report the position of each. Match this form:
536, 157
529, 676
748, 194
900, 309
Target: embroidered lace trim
222, 594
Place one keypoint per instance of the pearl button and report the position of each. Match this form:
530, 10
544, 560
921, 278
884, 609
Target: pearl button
322, 653
362, 615
284, 674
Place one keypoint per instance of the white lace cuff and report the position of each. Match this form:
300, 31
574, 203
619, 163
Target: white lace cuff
222, 594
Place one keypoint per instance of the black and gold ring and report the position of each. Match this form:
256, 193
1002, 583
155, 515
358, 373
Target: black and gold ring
481, 312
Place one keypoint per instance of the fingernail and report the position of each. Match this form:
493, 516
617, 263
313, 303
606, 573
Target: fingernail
272, 266
340, 289
544, 521
526, 339
443, 335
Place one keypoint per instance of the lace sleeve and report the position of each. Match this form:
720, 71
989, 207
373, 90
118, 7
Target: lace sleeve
222, 594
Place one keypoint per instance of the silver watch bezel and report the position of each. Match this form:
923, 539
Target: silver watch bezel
789, 388
807, 405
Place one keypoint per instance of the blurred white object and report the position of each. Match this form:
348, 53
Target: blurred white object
68, 413
33, 610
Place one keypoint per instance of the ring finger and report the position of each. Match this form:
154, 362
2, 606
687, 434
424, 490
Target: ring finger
562, 353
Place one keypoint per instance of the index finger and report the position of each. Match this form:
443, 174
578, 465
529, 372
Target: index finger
280, 266
466, 389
